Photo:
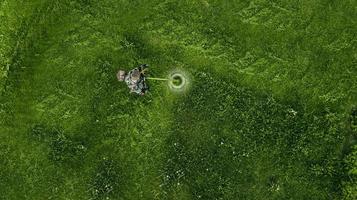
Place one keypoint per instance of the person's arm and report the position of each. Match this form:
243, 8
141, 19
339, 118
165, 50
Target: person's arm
143, 71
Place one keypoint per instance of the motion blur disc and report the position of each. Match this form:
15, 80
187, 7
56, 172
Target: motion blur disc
178, 81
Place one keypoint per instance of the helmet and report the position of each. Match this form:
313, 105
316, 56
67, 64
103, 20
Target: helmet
121, 75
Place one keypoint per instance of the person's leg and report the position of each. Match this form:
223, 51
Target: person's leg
145, 87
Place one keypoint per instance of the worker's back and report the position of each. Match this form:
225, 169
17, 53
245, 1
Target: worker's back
135, 79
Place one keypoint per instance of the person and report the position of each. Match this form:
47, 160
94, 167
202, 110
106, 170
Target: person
135, 79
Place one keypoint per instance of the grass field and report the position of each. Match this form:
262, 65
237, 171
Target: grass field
271, 111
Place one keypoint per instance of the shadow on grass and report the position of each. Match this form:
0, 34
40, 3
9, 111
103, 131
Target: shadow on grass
231, 142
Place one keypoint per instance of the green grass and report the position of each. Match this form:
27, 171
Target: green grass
270, 113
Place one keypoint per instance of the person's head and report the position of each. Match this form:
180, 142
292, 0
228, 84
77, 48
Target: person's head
121, 75
135, 75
